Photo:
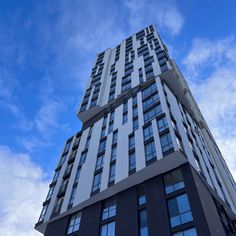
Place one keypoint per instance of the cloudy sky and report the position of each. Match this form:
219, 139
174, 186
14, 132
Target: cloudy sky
47, 50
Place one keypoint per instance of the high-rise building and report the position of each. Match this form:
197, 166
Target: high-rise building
145, 162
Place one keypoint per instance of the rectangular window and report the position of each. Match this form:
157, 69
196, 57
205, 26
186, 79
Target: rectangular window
135, 123
125, 117
141, 198
135, 111
102, 146
50, 192
82, 158
125, 107
97, 182
132, 162
150, 101
135, 101
43, 213
56, 175
109, 209
147, 132
103, 132
74, 223
77, 175
143, 228
150, 151
113, 153
149, 90
166, 142
179, 210
131, 142
72, 197
115, 137
112, 173
63, 159
58, 205
151, 114
173, 181
187, 232
99, 162
162, 124
108, 229
110, 127
104, 121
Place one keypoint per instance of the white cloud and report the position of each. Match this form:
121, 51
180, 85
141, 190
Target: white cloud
23, 188
163, 13
211, 71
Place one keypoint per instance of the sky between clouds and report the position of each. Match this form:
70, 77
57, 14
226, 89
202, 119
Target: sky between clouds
47, 51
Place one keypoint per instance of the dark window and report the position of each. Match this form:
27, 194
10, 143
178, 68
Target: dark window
99, 162
74, 223
166, 142
109, 209
108, 229
125, 117
56, 175
72, 196
135, 111
131, 142
187, 232
179, 210
113, 153
132, 161
110, 127
135, 123
147, 132
149, 115
103, 132
115, 137
82, 158
150, 151
77, 175
143, 228
162, 124
150, 101
112, 173
135, 101
173, 181
149, 90
102, 146
97, 181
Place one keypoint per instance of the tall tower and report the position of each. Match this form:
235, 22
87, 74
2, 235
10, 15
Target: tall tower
145, 162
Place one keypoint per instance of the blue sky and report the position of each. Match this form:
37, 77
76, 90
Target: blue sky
47, 51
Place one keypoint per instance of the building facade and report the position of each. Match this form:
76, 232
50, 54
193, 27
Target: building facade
144, 162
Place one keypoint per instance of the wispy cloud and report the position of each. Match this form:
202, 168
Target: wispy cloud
23, 188
211, 71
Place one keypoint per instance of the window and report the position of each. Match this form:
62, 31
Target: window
141, 199
50, 192
112, 173
166, 142
147, 132
179, 210
43, 213
82, 158
179, 143
109, 209
143, 228
187, 232
135, 111
63, 159
149, 115
135, 123
132, 161
99, 163
149, 90
103, 132
72, 196
135, 101
104, 121
96, 182
131, 142
150, 101
102, 145
149, 74
173, 181
125, 107
113, 153
115, 137
112, 115
162, 124
56, 175
58, 205
77, 175
87, 142
108, 229
110, 127
150, 151
74, 223
125, 117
